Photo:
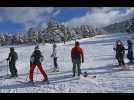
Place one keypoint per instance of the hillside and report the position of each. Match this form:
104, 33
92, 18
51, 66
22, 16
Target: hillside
109, 78
125, 26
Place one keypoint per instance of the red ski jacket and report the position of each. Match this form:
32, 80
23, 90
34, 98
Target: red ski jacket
77, 53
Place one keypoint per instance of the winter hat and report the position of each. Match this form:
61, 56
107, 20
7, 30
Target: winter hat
129, 41
12, 48
77, 43
118, 42
36, 47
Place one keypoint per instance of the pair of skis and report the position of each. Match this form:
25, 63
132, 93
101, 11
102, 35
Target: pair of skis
36, 83
9, 77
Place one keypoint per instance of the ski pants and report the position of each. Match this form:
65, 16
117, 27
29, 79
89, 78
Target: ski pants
12, 68
120, 59
32, 67
76, 64
55, 62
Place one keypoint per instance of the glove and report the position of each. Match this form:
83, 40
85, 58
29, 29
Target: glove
41, 59
7, 59
113, 48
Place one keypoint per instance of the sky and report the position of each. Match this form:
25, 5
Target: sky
20, 19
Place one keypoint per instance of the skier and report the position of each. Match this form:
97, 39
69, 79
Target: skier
54, 55
35, 60
130, 51
13, 56
120, 51
77, 57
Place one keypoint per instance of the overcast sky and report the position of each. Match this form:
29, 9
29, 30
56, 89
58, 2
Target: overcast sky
19, 19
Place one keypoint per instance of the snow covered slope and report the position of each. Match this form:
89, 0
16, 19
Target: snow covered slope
99, 61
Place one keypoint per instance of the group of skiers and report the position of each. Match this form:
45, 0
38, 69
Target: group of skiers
120, 53
36, 59
77, 57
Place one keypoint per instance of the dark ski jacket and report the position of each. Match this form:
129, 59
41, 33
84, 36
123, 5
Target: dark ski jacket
13, 56
120, 51
77, 53
130, 48
130, 51
36, 57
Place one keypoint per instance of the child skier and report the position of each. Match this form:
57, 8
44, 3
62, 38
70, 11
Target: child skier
77, 57
36, 60
54, 55
130, 51
120, 51
13, 56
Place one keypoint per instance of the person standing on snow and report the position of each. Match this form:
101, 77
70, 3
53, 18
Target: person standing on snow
77, 57
13, 56
54, 55
120, 52
130, 51
35, 60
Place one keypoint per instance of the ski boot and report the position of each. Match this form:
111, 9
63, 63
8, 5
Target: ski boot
13, 76
31, 82
46, 81
73, 75
57, 69
125, 67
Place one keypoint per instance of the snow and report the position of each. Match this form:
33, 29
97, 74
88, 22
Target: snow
99, 62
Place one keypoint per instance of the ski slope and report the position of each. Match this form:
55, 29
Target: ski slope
99, 61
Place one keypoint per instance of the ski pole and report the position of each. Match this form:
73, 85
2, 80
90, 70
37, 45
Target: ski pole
36, 74
27, 74
114, 58
114, 61
27, 77
7, 67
